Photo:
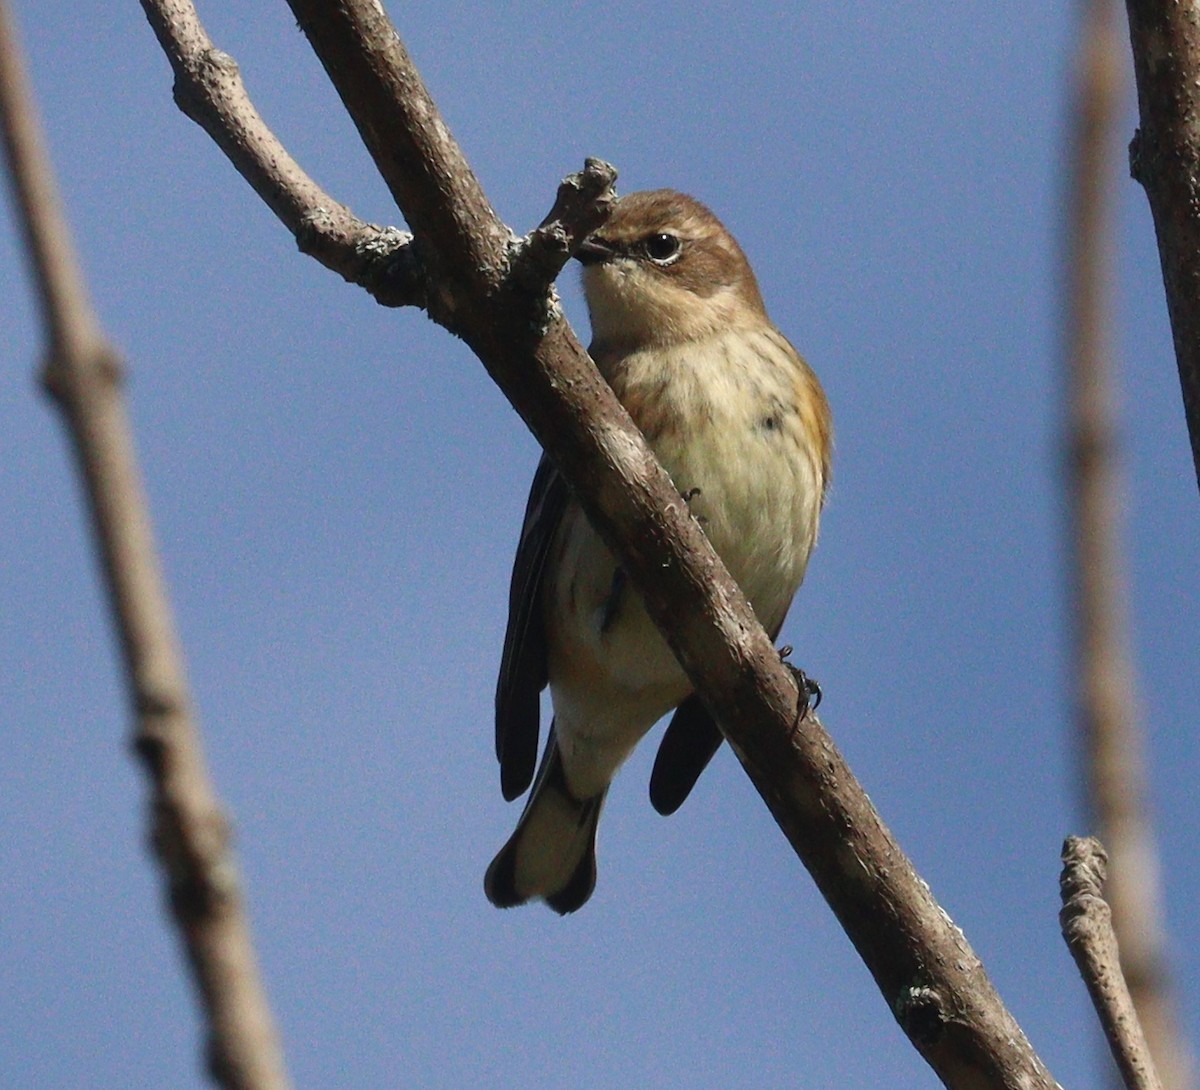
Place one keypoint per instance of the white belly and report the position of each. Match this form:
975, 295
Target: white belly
759, 497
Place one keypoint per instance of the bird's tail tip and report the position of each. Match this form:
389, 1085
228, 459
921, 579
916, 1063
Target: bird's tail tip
552, 853
502, 889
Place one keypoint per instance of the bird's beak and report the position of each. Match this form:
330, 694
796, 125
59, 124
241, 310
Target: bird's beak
594, 251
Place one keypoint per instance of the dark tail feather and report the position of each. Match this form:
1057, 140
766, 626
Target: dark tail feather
552, 853
689, 743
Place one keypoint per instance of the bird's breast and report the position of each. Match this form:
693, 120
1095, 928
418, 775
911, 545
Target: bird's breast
740, 423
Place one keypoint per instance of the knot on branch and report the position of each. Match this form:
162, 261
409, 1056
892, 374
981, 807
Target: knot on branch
583, 203
155, 739
1091, 447
391, 269
71, 369
381, 259
205, 70
202, 879
921, 1013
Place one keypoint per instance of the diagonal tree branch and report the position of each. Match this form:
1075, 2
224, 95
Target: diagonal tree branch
189, 831
1165, 158
481, 286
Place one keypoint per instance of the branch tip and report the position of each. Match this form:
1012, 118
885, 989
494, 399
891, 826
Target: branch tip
1086, 922
1085, 914
585, 198
1085, 869
597, 176
583, 202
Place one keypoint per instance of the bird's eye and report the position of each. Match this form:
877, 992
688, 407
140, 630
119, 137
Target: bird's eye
662, 249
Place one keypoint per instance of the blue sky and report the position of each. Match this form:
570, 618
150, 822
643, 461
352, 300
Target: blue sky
337, 490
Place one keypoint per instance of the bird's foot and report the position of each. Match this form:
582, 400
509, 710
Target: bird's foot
810, 695
688, 496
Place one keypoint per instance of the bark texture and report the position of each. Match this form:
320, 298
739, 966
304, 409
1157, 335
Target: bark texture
1165, 158
1087, 927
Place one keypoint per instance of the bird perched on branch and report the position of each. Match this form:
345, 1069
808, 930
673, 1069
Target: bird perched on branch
741, 424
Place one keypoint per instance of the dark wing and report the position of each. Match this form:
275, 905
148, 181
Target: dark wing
690, 740
523, 669
689, 743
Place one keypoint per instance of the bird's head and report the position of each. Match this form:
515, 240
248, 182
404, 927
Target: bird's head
664, 270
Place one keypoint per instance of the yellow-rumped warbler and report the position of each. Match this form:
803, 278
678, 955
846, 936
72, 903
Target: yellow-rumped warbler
741, 424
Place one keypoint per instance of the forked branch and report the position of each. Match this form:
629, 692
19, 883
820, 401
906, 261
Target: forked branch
485, 285
479, 286
209, 89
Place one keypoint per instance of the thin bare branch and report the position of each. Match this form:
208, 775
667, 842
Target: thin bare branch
209, 89
933, 982
583, 203
189, 831
1110, 731
1165, 158
1087, 927
68, 320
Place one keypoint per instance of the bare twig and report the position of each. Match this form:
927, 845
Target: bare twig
189, 831
1087, 927
1165, 158
1113, 767
582, 205
209, 90
479, 288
